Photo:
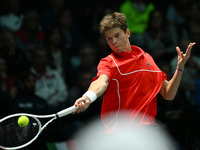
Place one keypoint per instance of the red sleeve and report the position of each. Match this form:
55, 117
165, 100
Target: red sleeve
103, 68
164, 76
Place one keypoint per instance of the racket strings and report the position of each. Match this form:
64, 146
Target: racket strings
11, 131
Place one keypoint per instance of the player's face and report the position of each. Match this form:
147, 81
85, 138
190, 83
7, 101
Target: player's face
118, 40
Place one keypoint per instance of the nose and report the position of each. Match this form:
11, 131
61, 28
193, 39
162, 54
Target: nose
114, 40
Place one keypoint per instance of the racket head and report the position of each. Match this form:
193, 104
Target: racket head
12, 136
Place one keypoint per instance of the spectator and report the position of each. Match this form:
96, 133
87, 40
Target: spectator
71, 36
12, 17
26, 99
49, 84
58, 56
159, 38
88, 58
30, 35
16, 60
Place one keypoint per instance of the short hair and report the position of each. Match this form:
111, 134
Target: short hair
113, 20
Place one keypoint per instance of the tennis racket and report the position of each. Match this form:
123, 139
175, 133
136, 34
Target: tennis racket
12, 136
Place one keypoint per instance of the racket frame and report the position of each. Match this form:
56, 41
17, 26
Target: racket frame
53, 117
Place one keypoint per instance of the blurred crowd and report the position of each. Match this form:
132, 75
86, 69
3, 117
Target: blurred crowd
50, 49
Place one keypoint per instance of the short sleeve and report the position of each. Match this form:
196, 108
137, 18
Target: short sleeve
164, 76
103, 68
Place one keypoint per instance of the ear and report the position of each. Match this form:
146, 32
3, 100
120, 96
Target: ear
128, 32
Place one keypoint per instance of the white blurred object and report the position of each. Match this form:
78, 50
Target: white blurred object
126, 137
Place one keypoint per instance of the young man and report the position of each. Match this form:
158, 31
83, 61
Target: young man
129, 77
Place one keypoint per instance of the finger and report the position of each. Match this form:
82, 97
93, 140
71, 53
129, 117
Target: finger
181, 54
178, 51
80, 107
188, 50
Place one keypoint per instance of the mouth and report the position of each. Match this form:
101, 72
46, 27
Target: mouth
116, 46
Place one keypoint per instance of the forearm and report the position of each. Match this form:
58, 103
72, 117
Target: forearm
169, 88
98, 87
172, 86
95, 90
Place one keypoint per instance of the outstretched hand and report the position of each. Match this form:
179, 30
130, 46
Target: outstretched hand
183, 58
81, 104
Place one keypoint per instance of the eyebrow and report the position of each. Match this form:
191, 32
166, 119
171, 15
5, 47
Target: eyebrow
113, 35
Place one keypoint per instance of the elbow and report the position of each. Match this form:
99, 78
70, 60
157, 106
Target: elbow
168, 97
168, 94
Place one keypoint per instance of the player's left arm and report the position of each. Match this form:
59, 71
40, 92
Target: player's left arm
169, 88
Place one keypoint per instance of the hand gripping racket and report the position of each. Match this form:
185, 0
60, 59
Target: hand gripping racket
12, 136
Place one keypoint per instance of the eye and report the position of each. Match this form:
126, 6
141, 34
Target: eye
108, 39
116, 35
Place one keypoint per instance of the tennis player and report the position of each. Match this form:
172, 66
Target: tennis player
129, 78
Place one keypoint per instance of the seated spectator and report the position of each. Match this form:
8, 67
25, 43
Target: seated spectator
87, 56
30, 35
159, 38
71, 36
26, 99
16, 60
49, 83
58, 56
11, 18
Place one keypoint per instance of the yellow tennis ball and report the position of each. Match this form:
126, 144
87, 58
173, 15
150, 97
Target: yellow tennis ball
23, 121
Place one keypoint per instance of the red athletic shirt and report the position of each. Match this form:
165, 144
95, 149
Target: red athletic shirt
134, 82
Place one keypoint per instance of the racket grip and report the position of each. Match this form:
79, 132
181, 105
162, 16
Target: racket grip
66, 111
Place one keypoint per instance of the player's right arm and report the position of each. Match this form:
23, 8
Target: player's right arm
97, 87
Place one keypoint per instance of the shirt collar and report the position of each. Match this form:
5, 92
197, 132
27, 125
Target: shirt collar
135, 52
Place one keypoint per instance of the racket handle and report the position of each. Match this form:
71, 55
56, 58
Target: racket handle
66, 111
